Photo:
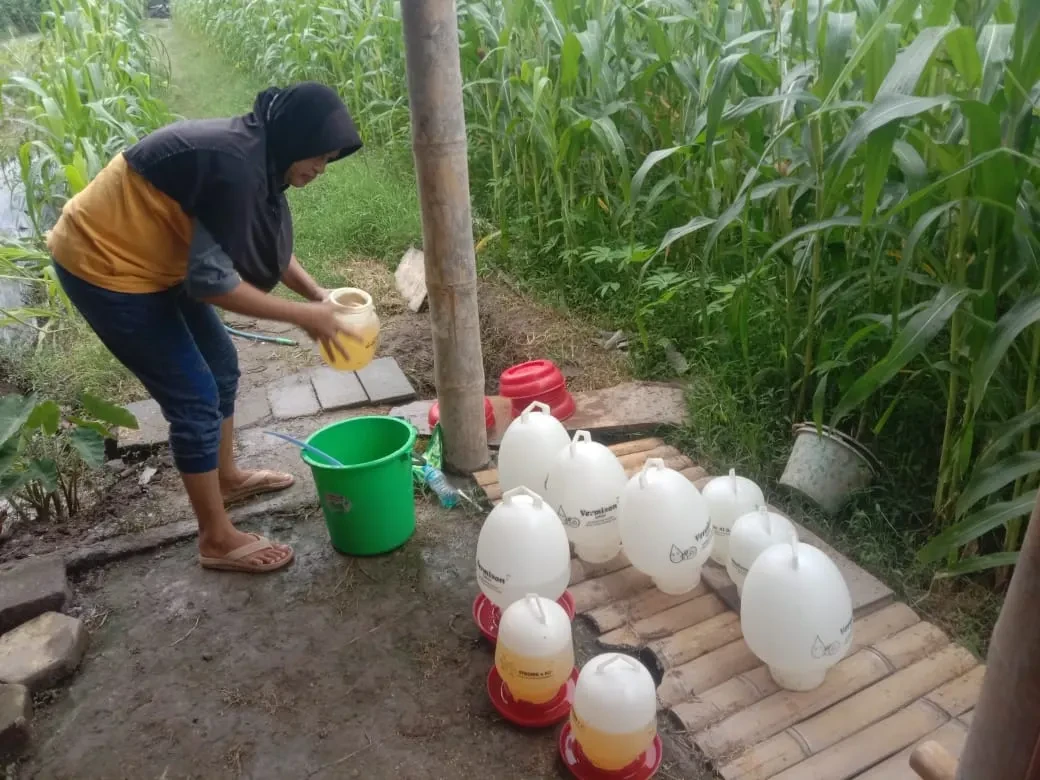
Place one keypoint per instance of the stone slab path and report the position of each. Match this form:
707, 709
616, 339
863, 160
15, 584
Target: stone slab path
303, 394
901, 683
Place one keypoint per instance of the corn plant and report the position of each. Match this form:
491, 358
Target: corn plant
840, 199
92, 92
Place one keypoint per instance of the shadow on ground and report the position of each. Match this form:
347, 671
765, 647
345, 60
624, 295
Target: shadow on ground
337, 668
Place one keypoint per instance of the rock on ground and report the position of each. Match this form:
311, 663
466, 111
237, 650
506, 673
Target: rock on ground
15, 719
40, 653
31, 587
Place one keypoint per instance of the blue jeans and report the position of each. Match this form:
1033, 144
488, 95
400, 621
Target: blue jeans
178, 348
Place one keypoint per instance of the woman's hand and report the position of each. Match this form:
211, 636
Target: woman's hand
322, 324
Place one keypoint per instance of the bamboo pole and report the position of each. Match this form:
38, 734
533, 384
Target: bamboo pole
439, 145
1004, 739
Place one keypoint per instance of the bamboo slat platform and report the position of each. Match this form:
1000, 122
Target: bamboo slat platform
901, 683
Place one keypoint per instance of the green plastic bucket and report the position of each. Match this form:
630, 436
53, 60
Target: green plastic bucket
369, 503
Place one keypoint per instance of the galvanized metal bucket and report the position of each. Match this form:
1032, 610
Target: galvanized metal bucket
828, 466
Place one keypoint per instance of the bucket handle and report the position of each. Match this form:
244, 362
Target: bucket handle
532, 598
651, 463
580, 436
522, 491
535, 406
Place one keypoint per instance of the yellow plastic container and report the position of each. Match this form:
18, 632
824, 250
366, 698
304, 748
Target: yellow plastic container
534, 679
357, 312
609, 751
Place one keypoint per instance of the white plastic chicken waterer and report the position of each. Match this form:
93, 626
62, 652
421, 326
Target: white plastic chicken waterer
796, 614
535, 650
529, 445
584, 486
728, 498
614, 717
665, 527
522, 548
751, 535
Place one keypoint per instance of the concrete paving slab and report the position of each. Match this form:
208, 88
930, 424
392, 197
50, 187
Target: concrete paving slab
152, 431
31, 587
385, 382
338, 389
292, 396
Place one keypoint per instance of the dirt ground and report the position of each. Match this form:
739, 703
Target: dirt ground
513, 330
336, 668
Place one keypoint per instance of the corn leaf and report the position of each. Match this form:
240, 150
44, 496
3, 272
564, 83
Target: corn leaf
978, 564
990, 480
975, 525
1007, 435
889, 107
1020, 316
917, 334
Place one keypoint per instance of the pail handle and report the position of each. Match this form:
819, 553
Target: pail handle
535, 406
509, 495
651, 463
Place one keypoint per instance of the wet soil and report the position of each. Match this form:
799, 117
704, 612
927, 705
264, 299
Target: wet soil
338, 667
513, 329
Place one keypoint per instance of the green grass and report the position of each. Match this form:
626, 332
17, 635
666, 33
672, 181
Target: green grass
365, 206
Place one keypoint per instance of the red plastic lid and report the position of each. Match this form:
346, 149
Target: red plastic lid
562, 407
489, 414
529, 380
526, 714
643, 768
486, 615
549, 397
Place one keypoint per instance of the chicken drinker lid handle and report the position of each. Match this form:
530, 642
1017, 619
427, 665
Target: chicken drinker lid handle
522, 491
794, 550
532, 598
582, 436
616, 657
733, 481
768, 517
543, 408
651, 463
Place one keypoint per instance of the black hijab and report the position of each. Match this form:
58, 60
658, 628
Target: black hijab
303, 121
230, 173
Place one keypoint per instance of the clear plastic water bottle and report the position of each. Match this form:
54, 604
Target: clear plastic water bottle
439, 484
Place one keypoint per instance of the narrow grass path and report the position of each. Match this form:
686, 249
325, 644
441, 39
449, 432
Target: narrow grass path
365, 206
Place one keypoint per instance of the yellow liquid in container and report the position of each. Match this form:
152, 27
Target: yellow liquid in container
611, 751
532, 679
358, 313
